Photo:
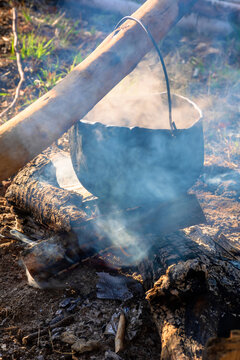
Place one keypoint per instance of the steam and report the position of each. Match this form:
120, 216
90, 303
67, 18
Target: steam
138, 100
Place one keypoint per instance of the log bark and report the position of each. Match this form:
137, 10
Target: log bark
45, 201
203, 24
213, 8
224, 348
36, 127
195, 293
207, 17
217, 8
117, 6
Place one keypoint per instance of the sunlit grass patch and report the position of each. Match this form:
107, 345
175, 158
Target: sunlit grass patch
34, 46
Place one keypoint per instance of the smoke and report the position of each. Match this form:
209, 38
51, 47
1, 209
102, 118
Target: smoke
133, 247
114, 227
124, 236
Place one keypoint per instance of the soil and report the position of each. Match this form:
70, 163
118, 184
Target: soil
199, 67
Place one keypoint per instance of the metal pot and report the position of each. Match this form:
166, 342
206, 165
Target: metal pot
136, 165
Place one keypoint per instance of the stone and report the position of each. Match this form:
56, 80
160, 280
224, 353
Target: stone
81, 346
68, 338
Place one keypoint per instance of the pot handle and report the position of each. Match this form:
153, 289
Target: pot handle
171, 122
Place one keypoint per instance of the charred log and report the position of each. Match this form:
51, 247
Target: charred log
45, 201
192, 278
223, 348
193, 290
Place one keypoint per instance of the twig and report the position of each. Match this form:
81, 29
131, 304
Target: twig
38, 340
119, 339
58, 19
53, 349
20, 236
64, 322
18, 58
50, 337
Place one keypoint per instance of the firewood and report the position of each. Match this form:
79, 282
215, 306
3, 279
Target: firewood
47, 203
217, 8
213, 8
223, 348
189, 295
191, 279
207, 16
40, 124
123, 7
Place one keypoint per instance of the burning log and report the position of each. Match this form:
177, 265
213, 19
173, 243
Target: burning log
47, 203
55, 112
192, 279
222, 348
195, 293
86, 222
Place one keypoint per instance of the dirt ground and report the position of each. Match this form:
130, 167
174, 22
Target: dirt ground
205, 68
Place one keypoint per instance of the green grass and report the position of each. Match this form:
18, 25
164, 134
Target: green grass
26, 15
33, 46
93, 30
196, 62
68, 31
76, 60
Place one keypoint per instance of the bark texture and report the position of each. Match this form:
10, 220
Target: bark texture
45, 201
224, 348
195, 292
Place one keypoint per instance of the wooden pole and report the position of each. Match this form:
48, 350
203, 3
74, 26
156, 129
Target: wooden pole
36, 127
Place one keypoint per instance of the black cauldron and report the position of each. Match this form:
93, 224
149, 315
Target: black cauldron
137, 164
134, 165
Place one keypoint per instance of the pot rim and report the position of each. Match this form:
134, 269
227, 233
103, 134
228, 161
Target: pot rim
195, 106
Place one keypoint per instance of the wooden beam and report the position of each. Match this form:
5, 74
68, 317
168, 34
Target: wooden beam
36, 127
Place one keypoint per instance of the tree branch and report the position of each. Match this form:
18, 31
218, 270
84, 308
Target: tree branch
19, 65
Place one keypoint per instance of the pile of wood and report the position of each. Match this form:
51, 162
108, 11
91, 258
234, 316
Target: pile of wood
192, 280
207, 16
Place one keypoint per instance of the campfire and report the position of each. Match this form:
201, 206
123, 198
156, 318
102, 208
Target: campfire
121, 220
